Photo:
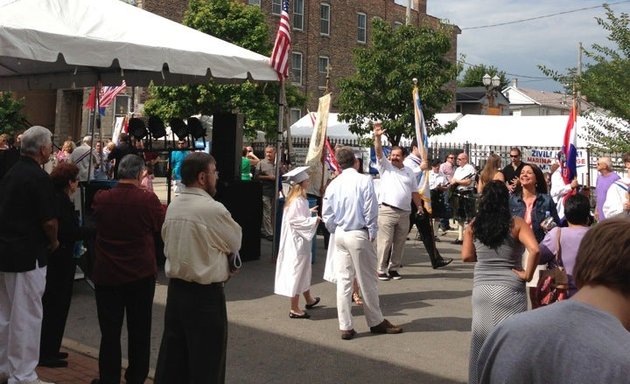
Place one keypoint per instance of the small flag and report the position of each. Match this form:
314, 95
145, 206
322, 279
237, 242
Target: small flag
423, 143
329, 158
282, 46
569, 148
106, 97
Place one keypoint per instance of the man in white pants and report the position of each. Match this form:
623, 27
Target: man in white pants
349, 211
28, 233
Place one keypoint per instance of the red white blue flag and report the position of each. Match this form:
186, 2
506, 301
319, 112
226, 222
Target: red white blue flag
106, 96
569, 148
282, 46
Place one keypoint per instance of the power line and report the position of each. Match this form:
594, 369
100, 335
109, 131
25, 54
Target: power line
533, 78
541, 17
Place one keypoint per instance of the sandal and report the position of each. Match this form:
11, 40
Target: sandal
357, 298
310, 306
294, 315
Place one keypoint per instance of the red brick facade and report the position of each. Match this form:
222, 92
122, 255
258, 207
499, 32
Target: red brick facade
337, 46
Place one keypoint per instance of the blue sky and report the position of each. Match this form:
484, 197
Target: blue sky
518, 48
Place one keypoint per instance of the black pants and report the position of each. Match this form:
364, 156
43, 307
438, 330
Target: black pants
423, 223
56, 301
194, 342
112, 302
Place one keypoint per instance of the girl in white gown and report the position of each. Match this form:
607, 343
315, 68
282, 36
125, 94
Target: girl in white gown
293, 267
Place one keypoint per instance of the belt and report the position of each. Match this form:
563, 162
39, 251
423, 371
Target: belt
391, 206
184, 283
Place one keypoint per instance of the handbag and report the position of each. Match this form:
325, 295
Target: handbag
553, 283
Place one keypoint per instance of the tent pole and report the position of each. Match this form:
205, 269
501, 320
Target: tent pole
281, 102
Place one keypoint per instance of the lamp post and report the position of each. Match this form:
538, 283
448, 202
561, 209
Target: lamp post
492, 84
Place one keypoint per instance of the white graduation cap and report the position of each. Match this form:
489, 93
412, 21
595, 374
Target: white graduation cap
297, 175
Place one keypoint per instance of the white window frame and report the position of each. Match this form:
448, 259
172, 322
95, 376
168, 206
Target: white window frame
322, 20
322, 75
276, 5
298, 12
360, 28
294, 68
295, 114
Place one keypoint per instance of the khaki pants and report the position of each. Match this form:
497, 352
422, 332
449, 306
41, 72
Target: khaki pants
393, 227
266, 229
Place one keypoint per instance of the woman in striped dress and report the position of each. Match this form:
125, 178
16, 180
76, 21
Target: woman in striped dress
496, 240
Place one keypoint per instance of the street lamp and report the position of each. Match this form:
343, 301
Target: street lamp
491, 84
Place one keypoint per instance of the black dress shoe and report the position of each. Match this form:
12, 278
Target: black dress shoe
457, 242
442, 263
61, 355
53, 363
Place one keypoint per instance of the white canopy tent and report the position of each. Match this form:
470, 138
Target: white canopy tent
51, 44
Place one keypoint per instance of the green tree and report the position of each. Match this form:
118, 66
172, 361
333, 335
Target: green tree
11, 117
382, 84
241, 25
605, 83
473, 76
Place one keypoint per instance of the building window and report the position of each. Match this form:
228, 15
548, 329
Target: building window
324, 19
296, 68
361, 27
253, 2
294, 115
276, 7
298, 15
122, 105
322, 65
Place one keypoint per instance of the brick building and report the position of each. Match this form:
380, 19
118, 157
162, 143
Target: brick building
323, 33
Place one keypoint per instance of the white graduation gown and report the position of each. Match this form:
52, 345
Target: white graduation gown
293, 267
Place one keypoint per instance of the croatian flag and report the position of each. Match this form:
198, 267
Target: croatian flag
282, 46
569, 149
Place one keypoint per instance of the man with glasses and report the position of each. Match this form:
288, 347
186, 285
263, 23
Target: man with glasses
28, 234
464, 183
200, 236
513, 170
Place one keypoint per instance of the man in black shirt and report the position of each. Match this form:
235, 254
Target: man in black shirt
28, 233
512, 171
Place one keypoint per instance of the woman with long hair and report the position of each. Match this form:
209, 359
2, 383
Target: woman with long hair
61, 268
532, 202
491, 171
495, 239
293, 267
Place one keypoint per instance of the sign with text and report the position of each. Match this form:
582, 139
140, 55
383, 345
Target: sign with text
544, 158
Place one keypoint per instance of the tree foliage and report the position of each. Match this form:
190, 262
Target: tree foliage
11, 117
241, 25
473, 76
605, 83
381, 87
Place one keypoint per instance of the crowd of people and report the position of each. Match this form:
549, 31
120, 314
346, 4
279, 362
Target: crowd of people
507, 219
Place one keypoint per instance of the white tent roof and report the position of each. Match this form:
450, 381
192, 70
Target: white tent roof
336, 129
539, 131
49, 44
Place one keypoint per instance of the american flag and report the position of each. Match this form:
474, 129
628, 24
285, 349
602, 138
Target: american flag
282, 46
107, 96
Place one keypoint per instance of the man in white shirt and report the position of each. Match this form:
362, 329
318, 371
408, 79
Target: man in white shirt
398, 185
350, 212
559, 189
200, 240
464, 183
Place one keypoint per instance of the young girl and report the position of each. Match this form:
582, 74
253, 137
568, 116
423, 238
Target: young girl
293, 267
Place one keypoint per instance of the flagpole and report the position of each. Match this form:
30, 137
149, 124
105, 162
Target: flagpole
281, 101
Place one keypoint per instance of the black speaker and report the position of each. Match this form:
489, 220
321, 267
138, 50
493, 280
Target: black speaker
244, 201
227, 145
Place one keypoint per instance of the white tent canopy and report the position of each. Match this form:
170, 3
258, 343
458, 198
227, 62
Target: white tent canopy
51, 44
540, 131
336, 129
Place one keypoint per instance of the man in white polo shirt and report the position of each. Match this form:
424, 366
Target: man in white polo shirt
398, 184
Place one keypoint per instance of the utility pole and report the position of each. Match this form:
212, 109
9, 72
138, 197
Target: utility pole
408, 15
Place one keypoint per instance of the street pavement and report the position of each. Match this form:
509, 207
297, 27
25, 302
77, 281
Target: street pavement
266, 346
